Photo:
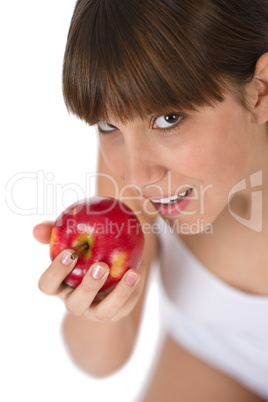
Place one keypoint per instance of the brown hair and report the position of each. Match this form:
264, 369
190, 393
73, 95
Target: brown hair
137, 57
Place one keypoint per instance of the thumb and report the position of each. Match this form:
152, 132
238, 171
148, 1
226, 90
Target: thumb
42, 232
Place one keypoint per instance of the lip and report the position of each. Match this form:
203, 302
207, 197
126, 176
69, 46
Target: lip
162, 196
173, 208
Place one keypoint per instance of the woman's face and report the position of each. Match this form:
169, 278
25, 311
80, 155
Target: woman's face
195, 158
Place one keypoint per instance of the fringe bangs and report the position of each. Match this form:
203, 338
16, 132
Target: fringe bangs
130, 58
118, 62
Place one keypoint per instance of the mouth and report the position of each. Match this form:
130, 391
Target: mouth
173, 205
172, 199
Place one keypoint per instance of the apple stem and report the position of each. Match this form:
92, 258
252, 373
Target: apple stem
77, 252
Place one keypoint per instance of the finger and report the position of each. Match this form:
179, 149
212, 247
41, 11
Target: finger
42, 232
111, 304
81, 298
51, 280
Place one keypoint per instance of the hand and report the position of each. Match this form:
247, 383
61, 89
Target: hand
85, 300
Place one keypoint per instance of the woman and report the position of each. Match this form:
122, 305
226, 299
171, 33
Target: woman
178, 91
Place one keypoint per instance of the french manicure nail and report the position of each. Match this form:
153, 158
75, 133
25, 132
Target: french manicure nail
131, 278
98, 272
66, 259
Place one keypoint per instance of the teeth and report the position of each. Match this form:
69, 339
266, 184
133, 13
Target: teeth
172, 199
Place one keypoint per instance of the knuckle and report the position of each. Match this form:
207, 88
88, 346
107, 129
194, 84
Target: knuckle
44, 288
71, 307
87, 285
102, 315
121, 295
124, 291
137, 292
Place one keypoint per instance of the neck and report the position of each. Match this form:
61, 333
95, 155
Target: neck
257, 172
259, 155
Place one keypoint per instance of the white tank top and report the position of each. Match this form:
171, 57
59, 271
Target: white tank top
226, 327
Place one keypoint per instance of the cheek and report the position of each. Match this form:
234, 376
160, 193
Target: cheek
216, 167
232, 152
114, 160
215, 160
220, 155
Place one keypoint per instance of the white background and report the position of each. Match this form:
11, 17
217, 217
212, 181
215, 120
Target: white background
46, 157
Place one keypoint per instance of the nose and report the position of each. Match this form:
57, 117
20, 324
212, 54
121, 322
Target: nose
142, 167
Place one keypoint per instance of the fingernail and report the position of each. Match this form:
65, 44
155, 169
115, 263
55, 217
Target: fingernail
131, 278
98, 272
66, 259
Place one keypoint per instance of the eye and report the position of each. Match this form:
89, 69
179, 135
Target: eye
105, 127
167, 120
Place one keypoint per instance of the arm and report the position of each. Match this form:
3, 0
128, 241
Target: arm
101, 338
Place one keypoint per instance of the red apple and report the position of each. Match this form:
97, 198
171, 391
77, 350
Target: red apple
99, 229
